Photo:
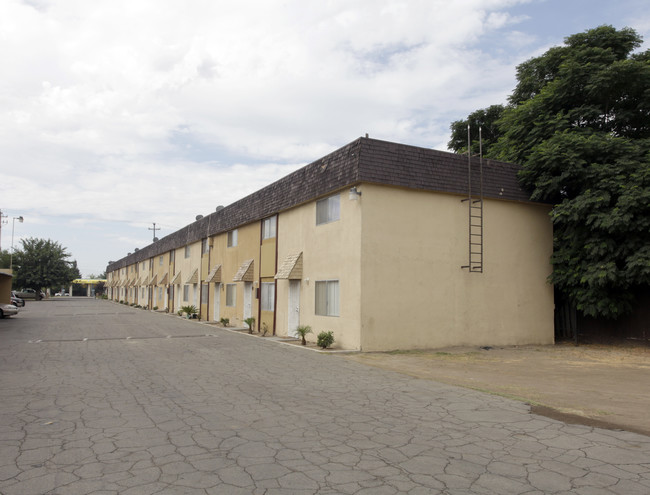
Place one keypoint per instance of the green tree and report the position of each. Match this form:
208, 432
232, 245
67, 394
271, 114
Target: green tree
486, 119
43, 263
579, 124
5, 258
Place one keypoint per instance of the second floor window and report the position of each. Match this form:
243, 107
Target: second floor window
232, 238
269, 226
187, 251
328, 209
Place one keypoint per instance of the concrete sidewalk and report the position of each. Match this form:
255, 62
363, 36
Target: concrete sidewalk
98, 398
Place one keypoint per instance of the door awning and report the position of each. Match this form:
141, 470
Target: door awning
154, 280
245, 272
177, 279
194, 278
291, 268
214, 275
163, 281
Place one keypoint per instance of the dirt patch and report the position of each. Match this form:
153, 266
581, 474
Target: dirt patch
605, 386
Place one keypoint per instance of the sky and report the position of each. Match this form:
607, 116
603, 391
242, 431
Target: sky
115, 114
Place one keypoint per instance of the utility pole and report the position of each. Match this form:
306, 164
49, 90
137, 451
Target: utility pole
154, 231
2, 217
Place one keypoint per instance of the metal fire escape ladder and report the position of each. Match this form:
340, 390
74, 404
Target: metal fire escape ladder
475, 221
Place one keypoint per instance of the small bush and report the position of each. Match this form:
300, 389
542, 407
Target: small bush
250, 322
155, 308
225, 321
189, 310
325, 339
265, 329
303, 331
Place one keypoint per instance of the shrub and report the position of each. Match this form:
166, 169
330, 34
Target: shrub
155, 308
302, 331
265, 328
325, 339
225, 321
189, 310
250, 322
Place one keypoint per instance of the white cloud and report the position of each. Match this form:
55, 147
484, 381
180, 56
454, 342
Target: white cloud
112, 110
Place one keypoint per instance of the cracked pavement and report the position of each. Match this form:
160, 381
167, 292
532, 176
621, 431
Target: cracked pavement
99, 398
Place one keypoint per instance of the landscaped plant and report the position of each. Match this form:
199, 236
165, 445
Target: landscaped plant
155, 308
303, 331
325, 339
189, 310
179, 313
265, 328
250, 322
225, 321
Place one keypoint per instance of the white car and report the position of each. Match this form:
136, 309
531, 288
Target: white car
8, 310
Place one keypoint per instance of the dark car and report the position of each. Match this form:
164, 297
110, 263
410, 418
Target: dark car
17, 301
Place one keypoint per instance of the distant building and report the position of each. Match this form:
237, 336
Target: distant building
371, 242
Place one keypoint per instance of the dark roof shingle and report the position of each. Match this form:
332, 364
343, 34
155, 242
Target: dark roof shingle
363, 160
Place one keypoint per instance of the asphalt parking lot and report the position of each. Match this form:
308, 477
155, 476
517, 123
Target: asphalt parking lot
100, 398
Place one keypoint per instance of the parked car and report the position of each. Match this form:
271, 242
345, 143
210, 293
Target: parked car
8, 310
61, 294
17, 301
30, 294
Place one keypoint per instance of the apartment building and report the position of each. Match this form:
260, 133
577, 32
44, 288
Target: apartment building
389, 246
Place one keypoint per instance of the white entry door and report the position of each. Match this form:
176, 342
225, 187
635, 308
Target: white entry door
248, 310
294, 307
217, 301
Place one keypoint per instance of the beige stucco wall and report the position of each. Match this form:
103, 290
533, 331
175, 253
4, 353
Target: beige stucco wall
330, 252
414, 292
231, 258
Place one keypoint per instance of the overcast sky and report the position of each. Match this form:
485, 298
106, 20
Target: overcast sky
115, 114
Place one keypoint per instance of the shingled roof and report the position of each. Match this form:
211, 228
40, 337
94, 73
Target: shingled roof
363, 160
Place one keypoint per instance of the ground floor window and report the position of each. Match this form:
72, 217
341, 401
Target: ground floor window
204, 293
327, 297
186, 293
268, 296
231, 294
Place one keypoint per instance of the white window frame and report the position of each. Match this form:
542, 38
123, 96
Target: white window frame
328, 209
232, 238
205, 247
269, 227
160, 260
231, 295
267, 296
186, 293
188, 251
330, 299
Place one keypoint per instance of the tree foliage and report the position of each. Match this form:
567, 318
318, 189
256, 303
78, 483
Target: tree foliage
42, 264
579, 124
5, 258
486, 119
